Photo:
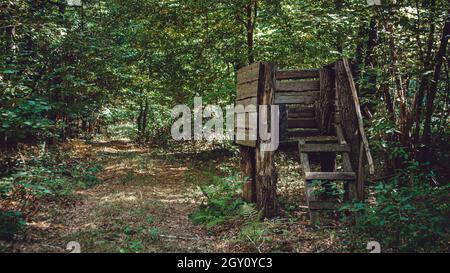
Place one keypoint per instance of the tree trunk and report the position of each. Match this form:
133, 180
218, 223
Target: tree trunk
401, 95
431, 94
416, 108
252, 13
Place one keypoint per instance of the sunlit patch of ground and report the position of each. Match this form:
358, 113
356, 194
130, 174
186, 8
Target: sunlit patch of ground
146, 199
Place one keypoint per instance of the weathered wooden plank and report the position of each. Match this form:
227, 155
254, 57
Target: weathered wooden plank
304, 159
347, 130
248, 73
300, 109
294, 111
247, 90
340, 134
247, 138
347, 164
324, 147
247, 102
297, 74
247, 123
359, 116
298, 86
345, 156
324, 205
302, 123
302, 132
247, 148
249, 77
311, 139
336, 118
321, 139
351, 188
296, 98
300, 115
247, 166
330, 176
360, 180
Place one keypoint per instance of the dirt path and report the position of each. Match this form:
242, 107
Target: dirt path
144, 203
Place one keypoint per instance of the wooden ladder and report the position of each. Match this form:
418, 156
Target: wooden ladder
326, 144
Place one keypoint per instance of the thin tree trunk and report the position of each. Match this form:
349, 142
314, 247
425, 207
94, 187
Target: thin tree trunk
416, 108
252, 13
339, 42
431, 94
401, 96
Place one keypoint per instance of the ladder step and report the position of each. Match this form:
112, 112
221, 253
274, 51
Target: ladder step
298, 86
297, 109
302, 123
313, 148
311, 139
309, 97
302, 132
309, 176
321, 139
301, 115
324, 205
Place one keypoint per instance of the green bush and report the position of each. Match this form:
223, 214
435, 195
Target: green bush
403, 218
223, 201
25, 119
50, 175
11, 223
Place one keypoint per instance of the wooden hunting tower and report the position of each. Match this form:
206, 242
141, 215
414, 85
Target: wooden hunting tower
320, 115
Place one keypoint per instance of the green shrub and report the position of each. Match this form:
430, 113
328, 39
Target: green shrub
11, 223
25, 118
223, 200
51, 175
406, 218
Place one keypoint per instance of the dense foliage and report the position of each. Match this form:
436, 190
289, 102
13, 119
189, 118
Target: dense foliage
69, 72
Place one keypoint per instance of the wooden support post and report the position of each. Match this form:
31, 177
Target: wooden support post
310, 195
324, 117
349, 128
247, 92
248, 168
266, 175
361, 179
325, 105
327, 164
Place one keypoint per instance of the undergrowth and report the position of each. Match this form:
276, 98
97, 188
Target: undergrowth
403, 218
50, 176
223, 200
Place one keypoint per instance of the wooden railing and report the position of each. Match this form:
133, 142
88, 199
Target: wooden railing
339, 104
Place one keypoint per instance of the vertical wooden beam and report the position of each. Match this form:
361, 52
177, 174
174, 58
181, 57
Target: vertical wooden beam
266, 175
248, 168
351, 186
324, 116
327, 164
248, 148
349, 122
360, 178
348, 129
325, 107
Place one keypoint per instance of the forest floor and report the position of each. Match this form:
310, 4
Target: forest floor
145, 199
